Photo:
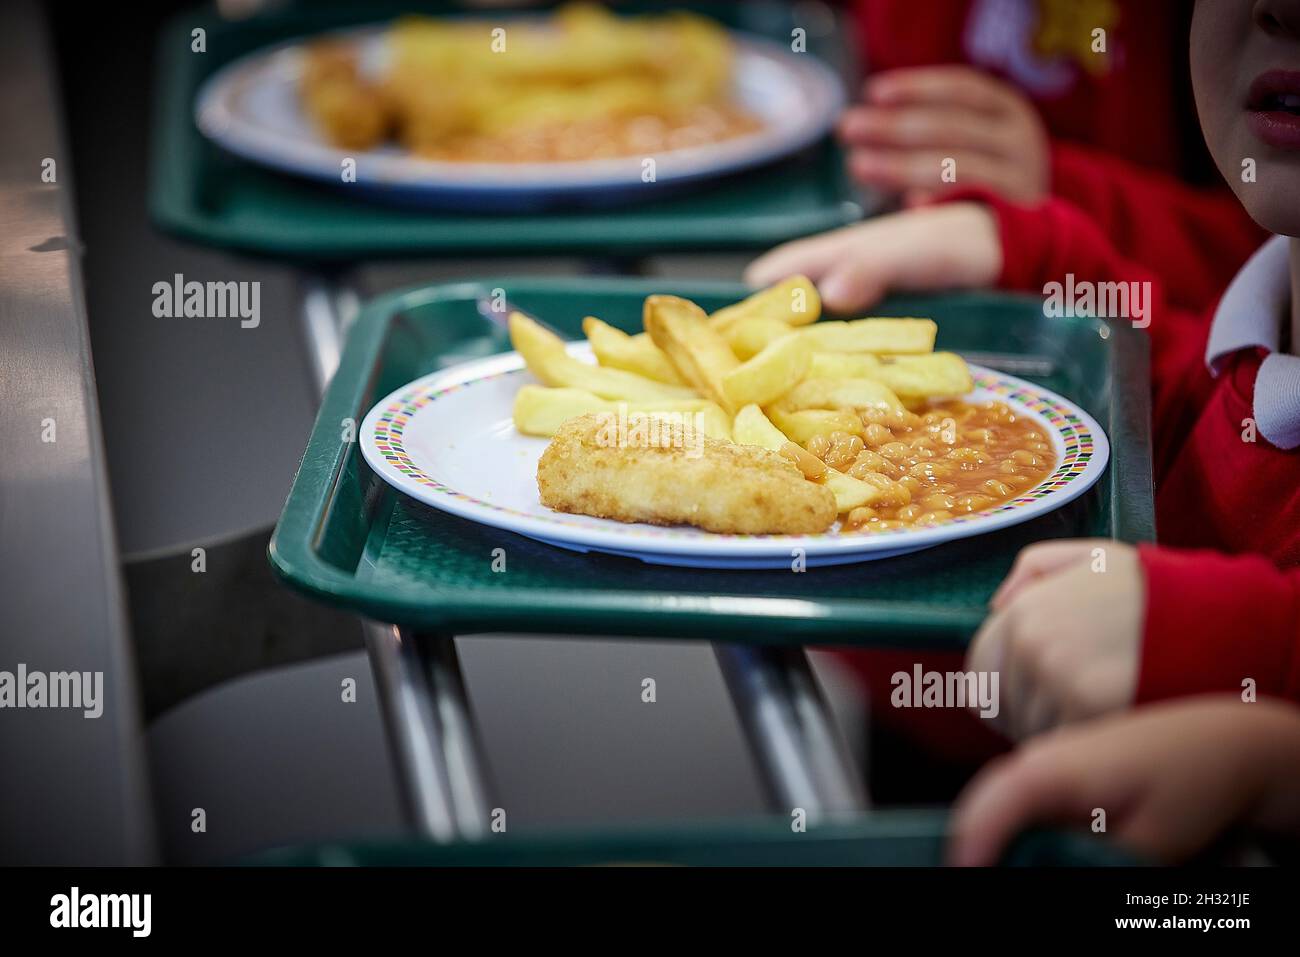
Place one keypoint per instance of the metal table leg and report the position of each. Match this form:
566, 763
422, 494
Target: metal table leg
791, 731
431, 732
329, 307
420, 686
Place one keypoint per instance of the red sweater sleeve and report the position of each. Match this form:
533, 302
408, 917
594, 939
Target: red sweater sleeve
1049, 242
1042, 243
1194, 240
1214, 620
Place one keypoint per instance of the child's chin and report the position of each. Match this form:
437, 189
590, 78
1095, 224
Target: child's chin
1276, 215
1271, 200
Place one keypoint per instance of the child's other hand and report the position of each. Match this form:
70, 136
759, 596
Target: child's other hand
1170, 778
953, 246
1064, 634
911, 120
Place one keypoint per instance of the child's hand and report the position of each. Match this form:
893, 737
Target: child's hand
911, 120
1170, 778
1064, 634
954, 246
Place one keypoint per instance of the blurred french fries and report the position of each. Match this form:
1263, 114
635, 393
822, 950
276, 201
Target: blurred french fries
581, 83
850, 394
851, 493
910, 377
770, 374
793, 302
616, 349
926, 376
809, 423
702, 357
752, 427
843, 365
749, 337
757, 373
546, 357
894, 336
541, 411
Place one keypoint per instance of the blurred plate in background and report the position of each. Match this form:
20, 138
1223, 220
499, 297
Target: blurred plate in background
251, 108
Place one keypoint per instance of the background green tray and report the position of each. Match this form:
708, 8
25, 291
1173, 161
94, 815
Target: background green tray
199, 192
883, 839
349, 539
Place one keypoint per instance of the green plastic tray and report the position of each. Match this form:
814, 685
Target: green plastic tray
348, 539
884, 839
200, 193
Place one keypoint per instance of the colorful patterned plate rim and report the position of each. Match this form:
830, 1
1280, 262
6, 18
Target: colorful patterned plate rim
447, 439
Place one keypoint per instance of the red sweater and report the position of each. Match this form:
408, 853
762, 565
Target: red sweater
1122, 126
1223, 588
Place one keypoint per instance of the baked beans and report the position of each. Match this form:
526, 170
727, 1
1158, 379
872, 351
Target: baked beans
950, 459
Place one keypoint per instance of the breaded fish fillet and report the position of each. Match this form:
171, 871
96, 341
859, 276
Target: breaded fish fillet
714, 485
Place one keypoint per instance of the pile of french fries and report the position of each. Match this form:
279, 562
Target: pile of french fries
580, 83
761, 372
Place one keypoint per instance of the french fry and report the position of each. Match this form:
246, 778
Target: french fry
701, 356
749, 337
544, 354
541, 411
896, 336
843, 365
839, 394
792, 301
910, 377
925, 376
850, 493
615, 349
752, 427
770, 374
803, 425
583, 69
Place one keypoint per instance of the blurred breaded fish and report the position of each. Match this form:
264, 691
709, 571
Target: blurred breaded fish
351, 111
712, 484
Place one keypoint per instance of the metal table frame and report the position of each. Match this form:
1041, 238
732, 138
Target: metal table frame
800, 754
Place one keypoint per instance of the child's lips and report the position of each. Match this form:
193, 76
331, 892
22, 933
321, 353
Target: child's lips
1276, 128
1273, 106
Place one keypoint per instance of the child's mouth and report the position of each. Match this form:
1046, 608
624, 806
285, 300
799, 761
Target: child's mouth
1274, 108
1289, 102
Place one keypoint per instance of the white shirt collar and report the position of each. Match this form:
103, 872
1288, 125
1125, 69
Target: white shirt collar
1250, 316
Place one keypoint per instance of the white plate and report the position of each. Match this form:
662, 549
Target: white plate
448, 440
250, 107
